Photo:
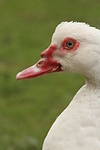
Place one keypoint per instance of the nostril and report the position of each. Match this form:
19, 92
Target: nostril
40, 63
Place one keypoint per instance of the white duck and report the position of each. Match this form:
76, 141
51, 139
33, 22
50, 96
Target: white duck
74, 47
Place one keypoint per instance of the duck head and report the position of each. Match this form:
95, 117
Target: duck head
74, 47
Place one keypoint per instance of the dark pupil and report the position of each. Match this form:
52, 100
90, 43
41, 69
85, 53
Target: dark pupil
70, 44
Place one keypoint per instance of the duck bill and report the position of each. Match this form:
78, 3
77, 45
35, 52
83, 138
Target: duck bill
43, 66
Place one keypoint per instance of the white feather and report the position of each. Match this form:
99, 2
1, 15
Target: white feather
78, 126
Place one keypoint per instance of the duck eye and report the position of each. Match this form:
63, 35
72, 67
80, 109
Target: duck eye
69, 44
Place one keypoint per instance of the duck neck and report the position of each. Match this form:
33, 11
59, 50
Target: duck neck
93, 83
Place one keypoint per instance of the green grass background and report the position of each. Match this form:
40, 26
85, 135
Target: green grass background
28, 108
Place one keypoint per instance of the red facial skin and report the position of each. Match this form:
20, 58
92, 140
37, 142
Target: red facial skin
47, 64
46, 58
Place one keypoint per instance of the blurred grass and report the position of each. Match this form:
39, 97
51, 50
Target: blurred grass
28, 108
